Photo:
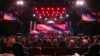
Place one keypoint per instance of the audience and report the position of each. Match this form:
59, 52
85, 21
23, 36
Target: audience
85, 43
93, 50
20, 44
62, 44
18, 49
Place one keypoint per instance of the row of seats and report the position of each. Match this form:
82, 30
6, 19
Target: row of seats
55, 51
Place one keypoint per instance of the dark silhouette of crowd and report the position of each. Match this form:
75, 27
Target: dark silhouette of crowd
19, 45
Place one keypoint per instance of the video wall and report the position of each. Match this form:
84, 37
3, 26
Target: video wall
10, 16
50, 28
89, 17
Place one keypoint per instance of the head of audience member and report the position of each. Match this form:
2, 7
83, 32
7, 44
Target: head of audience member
23, 40
85, 43
71, 43
55, 42
11, 41
18, 49
48, 42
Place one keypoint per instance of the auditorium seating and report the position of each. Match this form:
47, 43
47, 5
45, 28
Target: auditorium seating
62, 51
34, 51
52, 51
72, 51
48, 51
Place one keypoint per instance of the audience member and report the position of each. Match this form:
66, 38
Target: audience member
18, 49
93, 50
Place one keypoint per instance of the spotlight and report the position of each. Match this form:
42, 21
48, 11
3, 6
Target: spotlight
35, 8
53, 11
60, 14
42, 11
50, 22
46, 11
57, 11
58, 8
55, 19
42, 8
52, 14
52, 8
63, 12
46, 18
56, 14
20, 2
64, 8
48, 8
40, 16
34, 15
48, 14
80, 2
44, 14
37, 11
67, 15
61, 17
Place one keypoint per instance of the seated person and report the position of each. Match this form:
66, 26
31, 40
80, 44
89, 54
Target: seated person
18, 49
93, 50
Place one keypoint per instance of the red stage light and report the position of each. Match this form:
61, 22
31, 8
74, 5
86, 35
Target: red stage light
52, 8
46, 18
36, 8
56, 14
46, 11
42, 11
44, 14
58, 8
53, 11
40, 17
37, 11
39, 14
42, 8
61, 17
64, 8
57, 11
60, 14
52, 14
48, 14
48, 8
63, 12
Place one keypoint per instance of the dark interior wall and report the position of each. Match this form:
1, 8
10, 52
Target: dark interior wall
90, 28
4, 4
94, 5
25, 18
8, 28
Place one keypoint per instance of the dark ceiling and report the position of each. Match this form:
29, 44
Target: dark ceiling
93, 4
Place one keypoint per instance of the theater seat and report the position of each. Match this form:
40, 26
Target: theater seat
75, 50
34, 51
62, 51
49, 51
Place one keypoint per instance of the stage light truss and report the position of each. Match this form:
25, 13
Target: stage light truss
50, 12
